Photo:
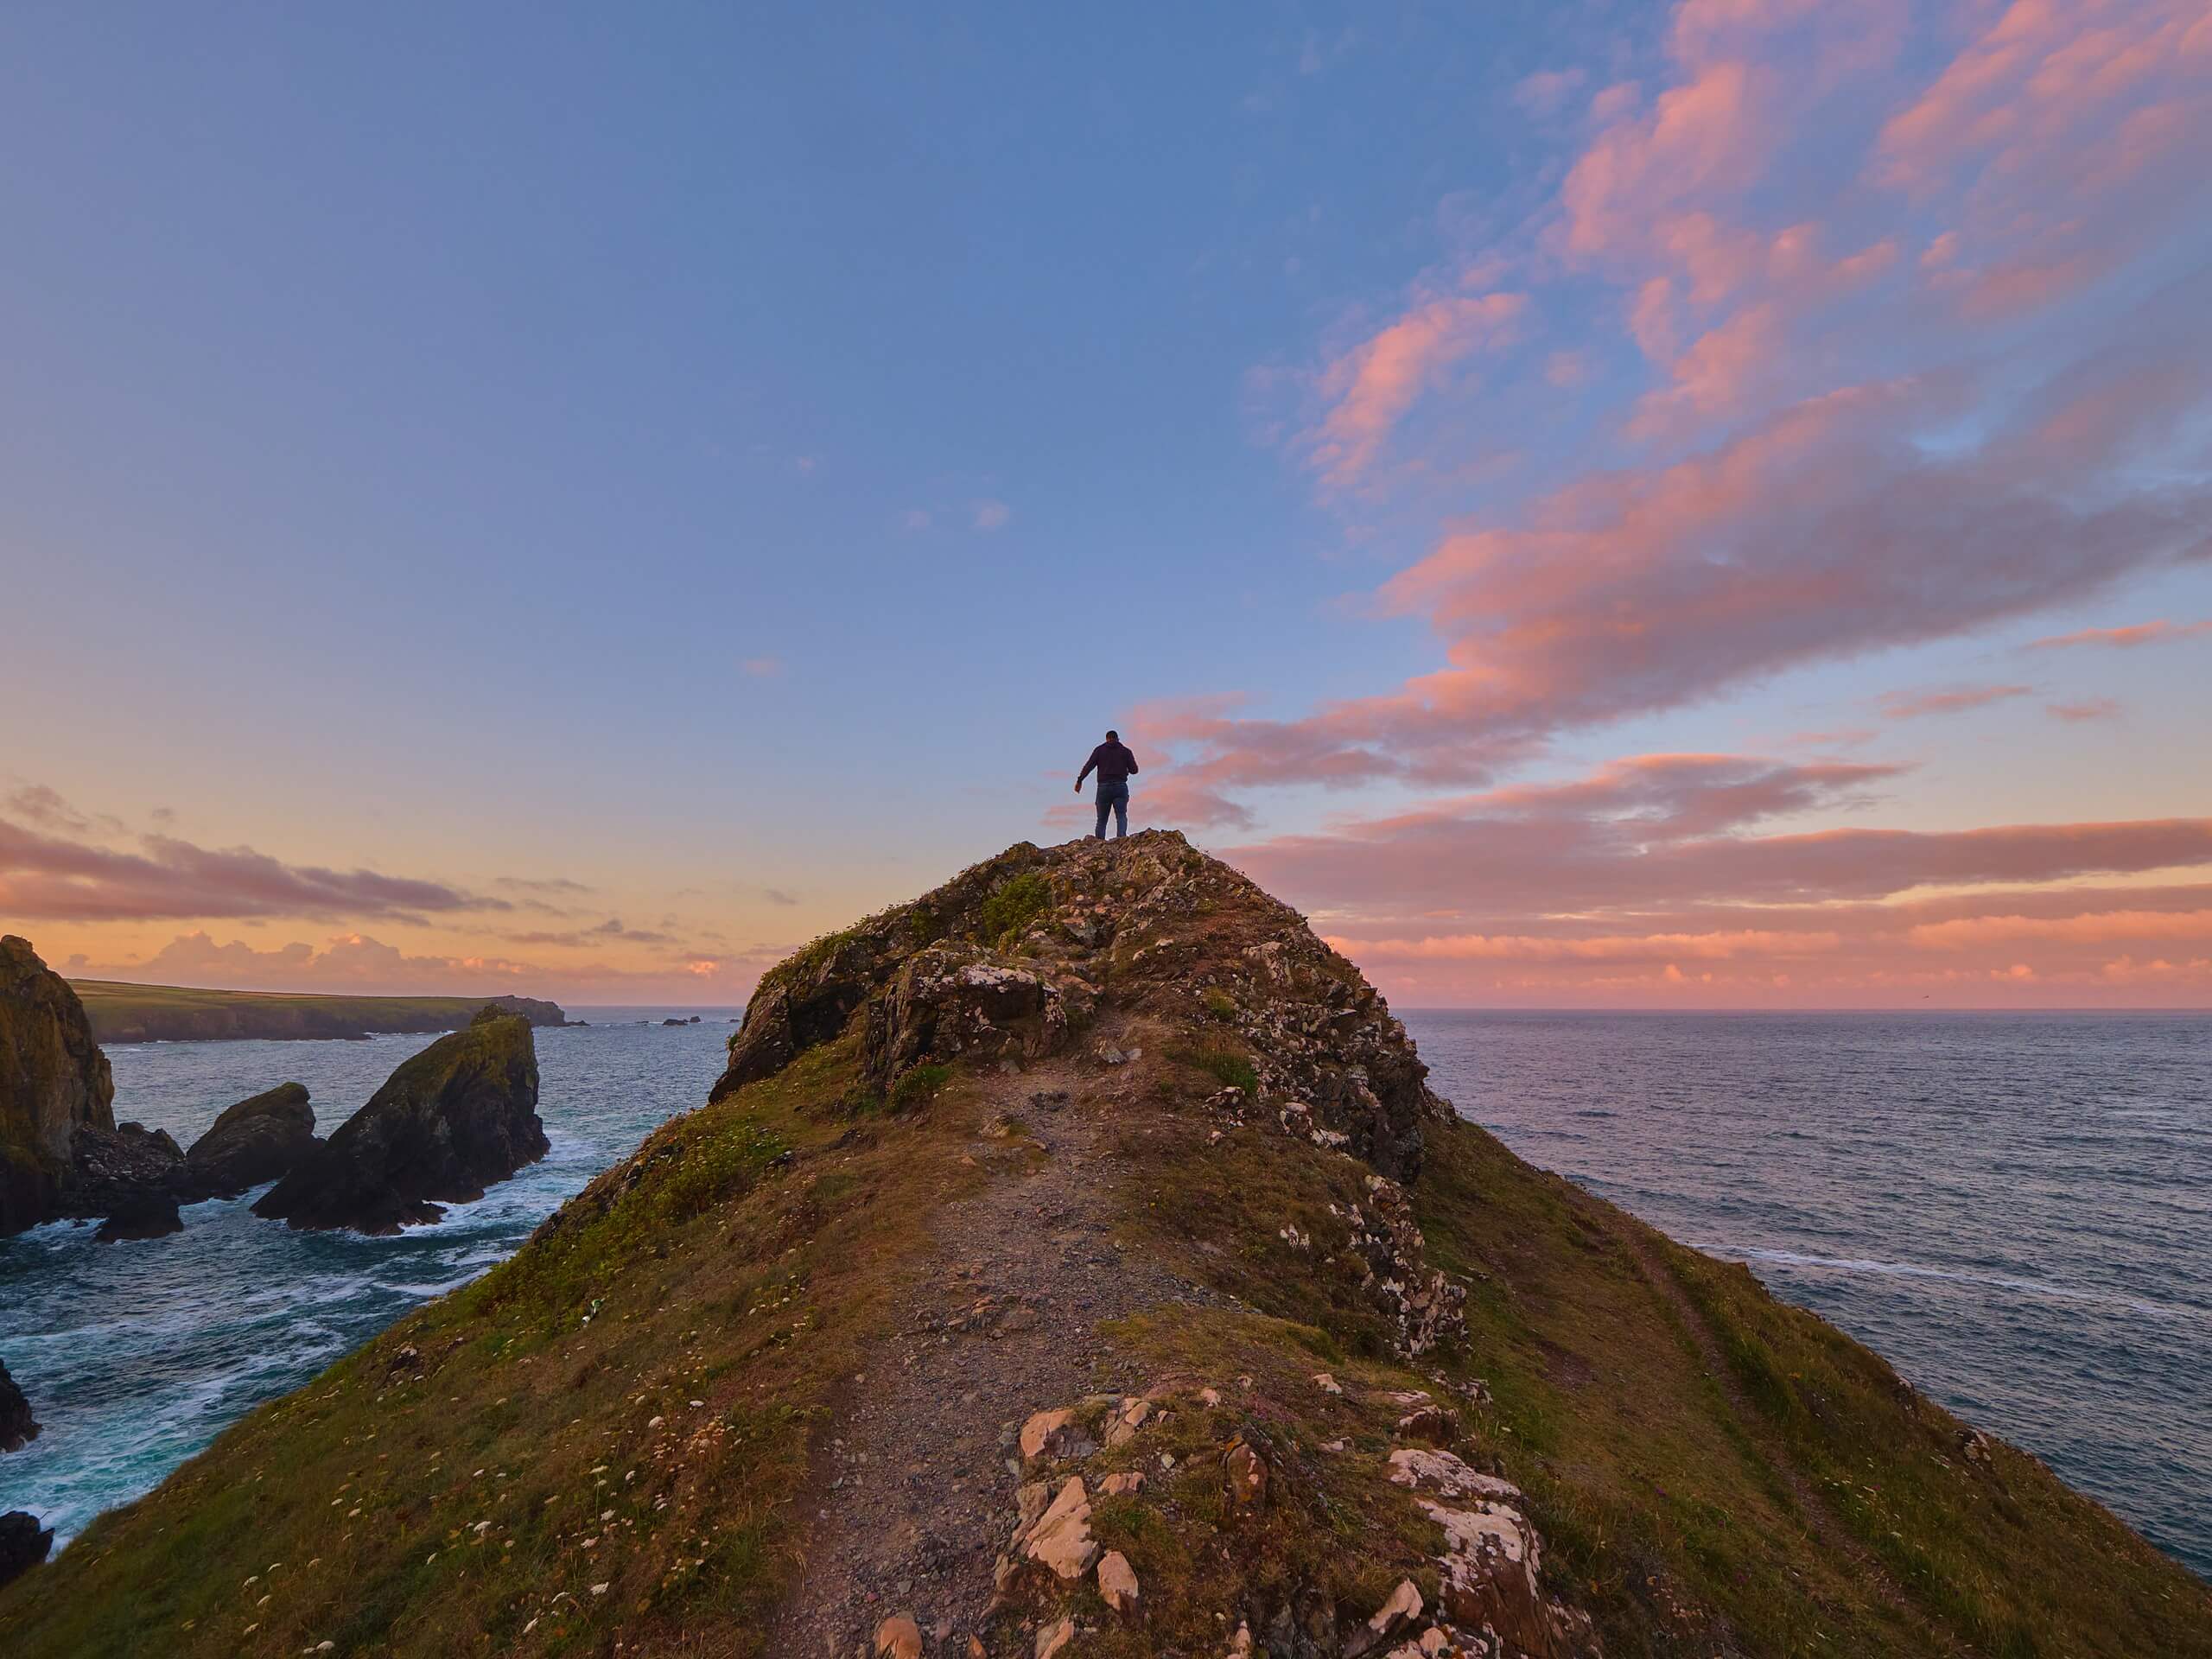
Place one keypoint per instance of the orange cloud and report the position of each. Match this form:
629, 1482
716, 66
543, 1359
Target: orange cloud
2139, 633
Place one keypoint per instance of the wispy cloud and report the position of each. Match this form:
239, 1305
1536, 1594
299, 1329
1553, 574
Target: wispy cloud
2126, 639
993, 515
1951, 700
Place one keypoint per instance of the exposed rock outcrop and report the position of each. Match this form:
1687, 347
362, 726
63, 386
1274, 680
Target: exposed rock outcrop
258, 1140
23, 1543
17, 1426
1009, 959
54, 1082
451, 1121
129, 1172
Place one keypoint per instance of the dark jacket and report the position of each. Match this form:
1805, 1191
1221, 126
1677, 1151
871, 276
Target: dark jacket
1114, 761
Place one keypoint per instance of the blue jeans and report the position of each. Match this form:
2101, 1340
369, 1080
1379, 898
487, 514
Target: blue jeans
1114, 799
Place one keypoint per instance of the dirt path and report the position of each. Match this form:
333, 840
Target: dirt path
914, 1497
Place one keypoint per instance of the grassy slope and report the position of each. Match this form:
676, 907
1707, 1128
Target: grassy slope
125, 1013
1714, 1473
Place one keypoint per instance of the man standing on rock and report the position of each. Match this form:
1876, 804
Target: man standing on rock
1115, 763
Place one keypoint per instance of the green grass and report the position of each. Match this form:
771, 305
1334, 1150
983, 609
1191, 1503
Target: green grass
1225, 1066
1006, 913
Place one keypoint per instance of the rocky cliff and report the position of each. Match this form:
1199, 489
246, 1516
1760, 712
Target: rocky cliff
260, 1139
1076, 1262
54, 1082
448, 1122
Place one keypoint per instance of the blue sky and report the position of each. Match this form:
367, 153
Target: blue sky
700, 453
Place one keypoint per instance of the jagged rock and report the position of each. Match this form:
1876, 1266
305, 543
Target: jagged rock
131, 1172
453, 1119
23, 1544
1425, 1305
1051, 1637
54, 1082
1126, 1482
1491, 1566
953, 1003
898, 1637
18, 1428
146, 1215
1060, 1538
1246, 1474
258, 1140
1117, 1582
1055, 1434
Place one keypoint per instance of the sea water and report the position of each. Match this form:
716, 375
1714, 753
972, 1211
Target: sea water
2015, 1210
136, 1355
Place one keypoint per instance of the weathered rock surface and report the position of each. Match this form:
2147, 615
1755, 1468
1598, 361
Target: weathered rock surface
456, 1118
18, 1428
23, 1543
1008, 961
128, 1170
145, 1215
260, 1139
54, 1082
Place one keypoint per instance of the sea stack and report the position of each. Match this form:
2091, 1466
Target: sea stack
54, 1082
258, 1140
23, 1543
456, 1118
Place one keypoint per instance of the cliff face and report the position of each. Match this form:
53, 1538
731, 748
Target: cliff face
1074, 1262
446, 1124
53, 1082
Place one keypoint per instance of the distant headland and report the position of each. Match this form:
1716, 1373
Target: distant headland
123, 1013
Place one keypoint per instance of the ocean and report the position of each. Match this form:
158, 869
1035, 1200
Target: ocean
2015, 1210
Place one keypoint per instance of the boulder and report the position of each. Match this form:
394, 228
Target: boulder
459, 1116
951, 1003
53, 1082
17, 1428
23, 1544
146, 1215
258, 1140
129, 1171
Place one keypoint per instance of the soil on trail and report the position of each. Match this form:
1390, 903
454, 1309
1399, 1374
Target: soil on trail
914, 1493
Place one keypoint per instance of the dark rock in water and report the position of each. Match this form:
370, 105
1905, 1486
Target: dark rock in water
149, 1215
258, 1140
454, 1119
23, 1544
693, 1020
18, 1428
53, 1082
129, 1169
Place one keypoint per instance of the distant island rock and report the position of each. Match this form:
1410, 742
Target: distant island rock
458, 1117
693, 1020
258, 1140
17, 1426
122, 1013
54, 1083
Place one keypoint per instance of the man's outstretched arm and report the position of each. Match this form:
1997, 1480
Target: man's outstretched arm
1085, 772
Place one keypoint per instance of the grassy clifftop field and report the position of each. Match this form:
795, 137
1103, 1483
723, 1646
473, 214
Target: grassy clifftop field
122, 1013
1075, 1262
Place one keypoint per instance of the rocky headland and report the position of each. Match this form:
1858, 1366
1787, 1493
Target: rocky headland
1075, 1262
447, 1123
55, 1086
122, 1013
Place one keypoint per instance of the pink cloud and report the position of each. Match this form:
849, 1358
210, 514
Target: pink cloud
2139, 633
49, 878
1916, 705
1371, 387
2084, 709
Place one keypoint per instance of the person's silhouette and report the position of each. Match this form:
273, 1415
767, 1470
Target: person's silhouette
1115, 765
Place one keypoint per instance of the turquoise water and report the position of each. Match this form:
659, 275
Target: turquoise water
2017, 1211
